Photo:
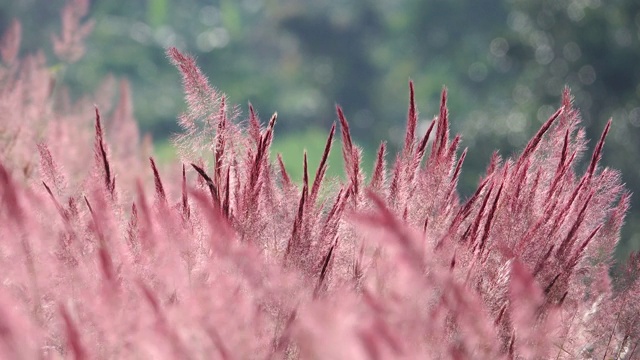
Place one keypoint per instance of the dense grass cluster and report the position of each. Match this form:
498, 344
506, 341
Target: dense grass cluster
104, 254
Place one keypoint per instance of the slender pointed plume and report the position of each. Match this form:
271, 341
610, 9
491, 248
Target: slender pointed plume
378, 177
350, 154
158, 182
412, 122
533, 143
286, 180
597, 152
322, 167
212, 188
185, 196
101, 155
442, 132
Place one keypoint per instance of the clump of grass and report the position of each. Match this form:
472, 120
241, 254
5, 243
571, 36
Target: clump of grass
228, 257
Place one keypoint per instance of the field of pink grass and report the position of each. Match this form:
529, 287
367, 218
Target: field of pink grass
104, 254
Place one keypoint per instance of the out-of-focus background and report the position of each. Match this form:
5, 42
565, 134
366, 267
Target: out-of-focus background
505, 63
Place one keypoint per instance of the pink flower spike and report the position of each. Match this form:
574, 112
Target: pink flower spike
378, 177
158, 182
412, 122
533, 143
595, 158
322, 167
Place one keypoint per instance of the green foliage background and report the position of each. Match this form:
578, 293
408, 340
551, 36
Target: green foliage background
505, 63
